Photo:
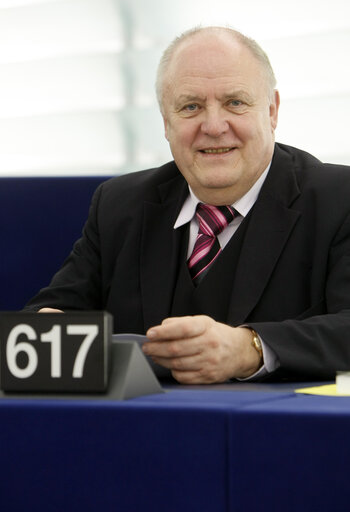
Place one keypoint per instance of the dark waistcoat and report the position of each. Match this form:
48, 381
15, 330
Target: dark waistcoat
212, 295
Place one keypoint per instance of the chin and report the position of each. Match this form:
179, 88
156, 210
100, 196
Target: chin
218, 182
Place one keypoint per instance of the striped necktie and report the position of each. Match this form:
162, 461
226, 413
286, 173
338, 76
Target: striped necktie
212, 220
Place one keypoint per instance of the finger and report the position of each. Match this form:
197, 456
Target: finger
176, 328
190, 377
183, 364
173, 349
50, 310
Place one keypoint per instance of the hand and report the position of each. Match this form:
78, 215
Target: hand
50, 310
199, 350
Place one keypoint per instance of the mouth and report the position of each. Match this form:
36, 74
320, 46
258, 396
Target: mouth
216, 151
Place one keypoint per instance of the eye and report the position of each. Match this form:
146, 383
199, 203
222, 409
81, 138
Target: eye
192, 107
236, 103
237, 106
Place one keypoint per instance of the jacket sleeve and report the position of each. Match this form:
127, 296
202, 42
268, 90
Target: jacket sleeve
317, 343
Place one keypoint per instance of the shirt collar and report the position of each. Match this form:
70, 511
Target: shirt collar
242, 205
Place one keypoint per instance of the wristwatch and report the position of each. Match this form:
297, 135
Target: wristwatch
256, 343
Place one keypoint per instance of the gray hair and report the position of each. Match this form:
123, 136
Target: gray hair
249, 43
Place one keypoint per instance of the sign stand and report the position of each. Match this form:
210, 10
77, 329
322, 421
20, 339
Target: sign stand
131, 375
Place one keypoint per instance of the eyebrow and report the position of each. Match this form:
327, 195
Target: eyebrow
188, 98
238, 94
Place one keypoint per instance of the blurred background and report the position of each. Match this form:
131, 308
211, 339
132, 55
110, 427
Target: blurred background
77, 78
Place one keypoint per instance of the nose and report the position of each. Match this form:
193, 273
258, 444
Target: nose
214, 123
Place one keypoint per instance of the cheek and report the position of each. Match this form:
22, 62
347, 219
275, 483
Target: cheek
243, 128
181, 137
256, 135
252, 127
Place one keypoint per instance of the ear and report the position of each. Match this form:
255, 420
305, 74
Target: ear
274, 106
165, 127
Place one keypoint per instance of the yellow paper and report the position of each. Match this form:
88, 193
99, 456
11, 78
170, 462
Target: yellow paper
326, 390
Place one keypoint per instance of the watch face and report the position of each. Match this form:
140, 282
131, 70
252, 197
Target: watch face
256, 343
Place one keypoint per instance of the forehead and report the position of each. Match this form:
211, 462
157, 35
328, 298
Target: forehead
209, 59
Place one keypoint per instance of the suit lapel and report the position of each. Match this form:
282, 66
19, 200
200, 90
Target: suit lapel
270, 225
159, 250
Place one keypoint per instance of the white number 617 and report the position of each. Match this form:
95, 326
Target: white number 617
13, 348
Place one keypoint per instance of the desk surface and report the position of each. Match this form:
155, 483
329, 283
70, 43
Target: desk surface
239, 447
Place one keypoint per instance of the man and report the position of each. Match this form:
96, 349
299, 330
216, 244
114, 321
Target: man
275, 299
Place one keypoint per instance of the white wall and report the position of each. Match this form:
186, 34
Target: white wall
76, 77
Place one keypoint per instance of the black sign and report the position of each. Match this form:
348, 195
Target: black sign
55, 352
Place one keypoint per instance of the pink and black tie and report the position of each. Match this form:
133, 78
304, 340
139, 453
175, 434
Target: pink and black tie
212, 221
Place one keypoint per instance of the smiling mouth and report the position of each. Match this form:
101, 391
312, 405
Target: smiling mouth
216, 151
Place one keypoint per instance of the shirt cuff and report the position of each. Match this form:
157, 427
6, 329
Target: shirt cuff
270, 359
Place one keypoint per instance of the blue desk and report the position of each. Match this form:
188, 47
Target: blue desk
210, 449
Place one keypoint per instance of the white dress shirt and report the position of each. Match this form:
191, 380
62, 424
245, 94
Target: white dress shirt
242, 206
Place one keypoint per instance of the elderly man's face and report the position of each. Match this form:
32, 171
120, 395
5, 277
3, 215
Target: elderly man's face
219, 119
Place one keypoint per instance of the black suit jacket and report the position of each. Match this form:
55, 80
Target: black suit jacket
292, 280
